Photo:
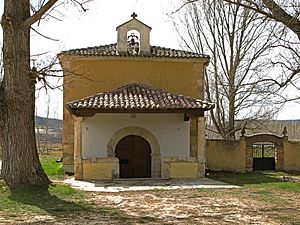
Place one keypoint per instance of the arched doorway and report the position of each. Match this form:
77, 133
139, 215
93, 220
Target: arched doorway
134, 154
264, 146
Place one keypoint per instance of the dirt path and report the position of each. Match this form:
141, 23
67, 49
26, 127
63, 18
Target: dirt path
187, 207
198, 206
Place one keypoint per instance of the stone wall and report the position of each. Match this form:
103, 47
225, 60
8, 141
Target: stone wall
292, 155
237, 155
225, 155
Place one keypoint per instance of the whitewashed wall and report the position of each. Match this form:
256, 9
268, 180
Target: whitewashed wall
170, 130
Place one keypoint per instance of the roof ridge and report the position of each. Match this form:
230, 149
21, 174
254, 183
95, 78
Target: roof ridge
111, 50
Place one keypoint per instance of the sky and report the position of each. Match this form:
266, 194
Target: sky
97, 26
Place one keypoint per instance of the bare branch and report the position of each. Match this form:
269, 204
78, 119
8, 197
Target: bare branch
44, 36
183, 5
38, 15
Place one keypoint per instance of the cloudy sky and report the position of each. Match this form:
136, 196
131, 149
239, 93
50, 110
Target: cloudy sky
97, 26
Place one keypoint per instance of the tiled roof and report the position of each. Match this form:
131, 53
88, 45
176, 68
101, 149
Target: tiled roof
111, 50
139, 97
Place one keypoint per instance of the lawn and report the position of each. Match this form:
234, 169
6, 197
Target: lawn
262, 199
53, 169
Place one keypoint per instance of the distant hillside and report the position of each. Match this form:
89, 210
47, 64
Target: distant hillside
51, 136
52, 123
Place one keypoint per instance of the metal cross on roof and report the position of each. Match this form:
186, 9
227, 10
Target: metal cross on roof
133, 15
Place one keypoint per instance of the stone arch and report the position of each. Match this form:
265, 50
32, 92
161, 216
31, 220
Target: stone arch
276, 140
148, 136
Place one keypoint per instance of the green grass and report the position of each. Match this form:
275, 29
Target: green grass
56, 199
266, 187
266, 196
53, 169
267, 180
63, 200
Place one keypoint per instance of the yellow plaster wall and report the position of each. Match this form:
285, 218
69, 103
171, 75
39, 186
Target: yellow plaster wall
101, 171
291, 155
85, 76
183, 170
225, 155
90, 76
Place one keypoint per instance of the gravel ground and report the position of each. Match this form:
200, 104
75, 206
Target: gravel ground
183, 206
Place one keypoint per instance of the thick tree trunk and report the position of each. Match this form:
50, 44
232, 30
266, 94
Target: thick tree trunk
21, 165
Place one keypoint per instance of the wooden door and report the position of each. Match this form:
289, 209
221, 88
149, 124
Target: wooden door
134, 154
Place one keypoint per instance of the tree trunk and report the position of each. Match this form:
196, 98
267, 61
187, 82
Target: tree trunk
21, 165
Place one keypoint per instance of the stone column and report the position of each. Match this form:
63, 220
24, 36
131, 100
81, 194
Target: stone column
243, 148
193, 137
68, 142
280, 154
198, 143
78, 168
249, 158
201, 148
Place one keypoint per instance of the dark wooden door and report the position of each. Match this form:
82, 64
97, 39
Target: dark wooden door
134, 154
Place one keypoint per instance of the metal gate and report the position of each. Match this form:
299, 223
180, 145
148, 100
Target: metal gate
263, 156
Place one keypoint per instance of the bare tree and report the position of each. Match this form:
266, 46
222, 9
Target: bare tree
37, 128
286, 13
237, 41
21, 165
46, 147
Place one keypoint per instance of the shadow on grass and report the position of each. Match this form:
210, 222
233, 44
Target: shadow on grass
70, 204
245, 178
43, 199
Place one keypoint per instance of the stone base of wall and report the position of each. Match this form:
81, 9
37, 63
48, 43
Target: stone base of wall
187, 167
68, 168
108, 168
100, 168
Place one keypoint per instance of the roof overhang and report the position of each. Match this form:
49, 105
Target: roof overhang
83, 112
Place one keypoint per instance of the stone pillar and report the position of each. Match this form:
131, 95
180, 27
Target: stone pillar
68, 142
156, 165
280, 154
279, 158
243, 148
249, 157
193, 137
201, 149
78, 170
198, 143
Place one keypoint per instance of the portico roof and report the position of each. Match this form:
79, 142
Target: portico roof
135, 98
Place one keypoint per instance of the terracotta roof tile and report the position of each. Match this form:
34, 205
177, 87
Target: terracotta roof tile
137, 96
111, 50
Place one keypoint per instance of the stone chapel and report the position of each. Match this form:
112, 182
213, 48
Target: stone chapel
133, 110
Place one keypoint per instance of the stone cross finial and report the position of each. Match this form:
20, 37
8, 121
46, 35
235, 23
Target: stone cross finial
284, 132
243, 131
133, 15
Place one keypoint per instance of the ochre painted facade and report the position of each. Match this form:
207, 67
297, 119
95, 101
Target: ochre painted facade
85, 76
101, 69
